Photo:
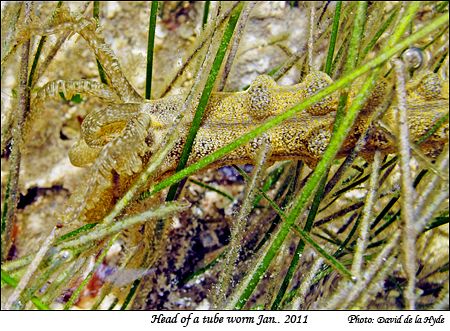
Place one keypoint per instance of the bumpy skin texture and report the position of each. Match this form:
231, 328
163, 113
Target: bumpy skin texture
118, 140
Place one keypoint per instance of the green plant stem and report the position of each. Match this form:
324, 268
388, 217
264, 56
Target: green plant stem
303, 233
39, 50
131, 293
350, 158
113, 304
344, 245
330, 258
212, 188
337, 61
363, 179
438, 221
432, 183
435, 39
96, 15
350, 291
426, 214
440, 62
205, 13
238, 226
378, 34
76, 232
205, 268
433, 129
10, 266
272, 178
239, 30
205, 95
35, 60
109, 285
339, 213
389, 206
74, 297
272, 203
440, 7
42, 278
70, 272
288, 187
13, 300
300, 246
334, 32
24, 261
352, 57
11, 281
150, 49
205, 37
104, 230
96, 10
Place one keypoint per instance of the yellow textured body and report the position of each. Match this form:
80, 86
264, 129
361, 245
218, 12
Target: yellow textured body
120, 139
